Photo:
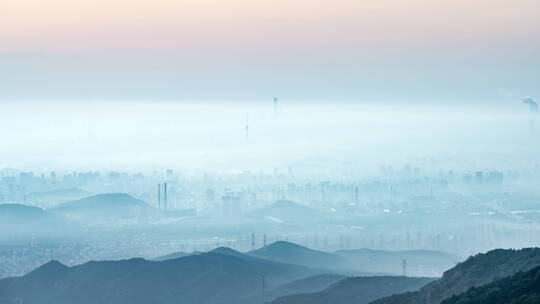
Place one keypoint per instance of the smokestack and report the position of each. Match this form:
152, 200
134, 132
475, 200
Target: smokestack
165, 203
247, 127
533, 108
263, 289
275, 106
159, 195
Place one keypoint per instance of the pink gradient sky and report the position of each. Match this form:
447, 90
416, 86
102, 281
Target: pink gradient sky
29, 25
247, 39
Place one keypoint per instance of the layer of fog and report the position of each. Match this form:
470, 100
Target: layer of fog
310, 137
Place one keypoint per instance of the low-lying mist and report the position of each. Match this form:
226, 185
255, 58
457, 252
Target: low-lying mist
332, 139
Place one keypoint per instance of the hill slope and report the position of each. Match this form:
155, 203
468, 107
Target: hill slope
15, 213
55, 197
420, 263
310, 284
174, 255
521, 288
208, 278
18, 219
475, 271
287, 252
356, 290
109, 204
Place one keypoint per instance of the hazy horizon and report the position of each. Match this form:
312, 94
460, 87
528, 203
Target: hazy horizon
310, 137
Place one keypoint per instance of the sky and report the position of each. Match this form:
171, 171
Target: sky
252, 50
143, 84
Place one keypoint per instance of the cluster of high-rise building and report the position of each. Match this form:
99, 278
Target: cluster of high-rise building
233, 194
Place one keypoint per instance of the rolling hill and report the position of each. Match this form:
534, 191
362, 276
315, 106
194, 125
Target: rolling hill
310, 284
15, 213
291, 253
356, 290
521, 288
425, 263
474, 272
105, 205
55, 197
174, 255
18, 219
208, 278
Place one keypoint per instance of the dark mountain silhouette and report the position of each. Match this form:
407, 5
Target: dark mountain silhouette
474, 272
207, 278
232, 252
247, 256
175, 255
307, 284
356, 290
287, 252
419, 262
521, 288
310, 284
33, 281
287, 211
105, 205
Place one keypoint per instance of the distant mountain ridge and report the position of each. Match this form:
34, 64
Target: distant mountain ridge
356, 290
419, 262
174, 255
18, 219
56, 197
108, 204
305, 285
16, 212
287, 252
367, 261
351, 262
212, 278
224, 276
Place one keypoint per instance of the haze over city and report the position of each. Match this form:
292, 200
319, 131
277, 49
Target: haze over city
284, 152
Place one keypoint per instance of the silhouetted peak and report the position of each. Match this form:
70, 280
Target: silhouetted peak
226, 250
108, 204
48, 270
284, 245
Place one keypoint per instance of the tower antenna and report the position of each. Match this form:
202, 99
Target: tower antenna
247, 126
263, 277
404, 265
165, 196
159, 195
